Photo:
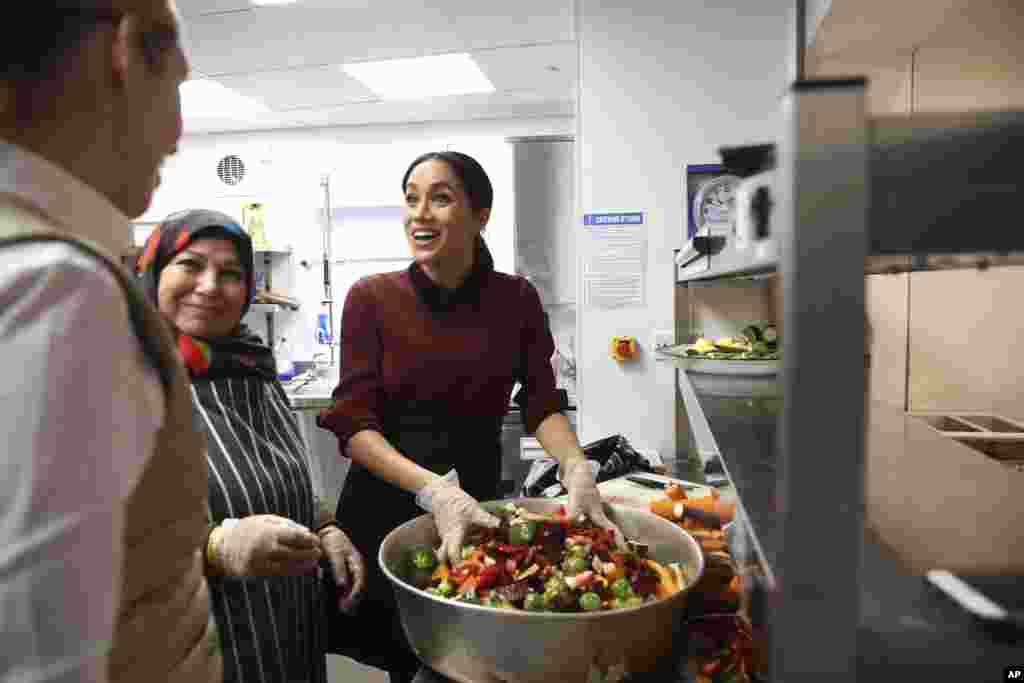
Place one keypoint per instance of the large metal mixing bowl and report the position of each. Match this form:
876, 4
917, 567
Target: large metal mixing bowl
474, 644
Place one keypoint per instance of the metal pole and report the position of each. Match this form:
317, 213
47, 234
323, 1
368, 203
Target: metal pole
801, 39
328, 259
823, 237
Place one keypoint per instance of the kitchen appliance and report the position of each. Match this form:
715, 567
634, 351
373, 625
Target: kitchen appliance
474, 644
730, 220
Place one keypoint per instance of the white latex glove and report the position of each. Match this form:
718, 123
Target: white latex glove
266, 545
455, 511
580, 479
347, 562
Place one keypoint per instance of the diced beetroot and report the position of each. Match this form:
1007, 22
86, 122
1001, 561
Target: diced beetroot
489, 577
645, 584
510, 565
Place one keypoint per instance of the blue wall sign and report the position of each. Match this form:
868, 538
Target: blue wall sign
633, 218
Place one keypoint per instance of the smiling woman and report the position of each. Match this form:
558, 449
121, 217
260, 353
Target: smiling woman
203, 288
268, 527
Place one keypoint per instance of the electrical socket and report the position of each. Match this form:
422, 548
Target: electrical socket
663, 338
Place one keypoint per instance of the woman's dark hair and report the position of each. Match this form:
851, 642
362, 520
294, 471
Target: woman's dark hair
469, 171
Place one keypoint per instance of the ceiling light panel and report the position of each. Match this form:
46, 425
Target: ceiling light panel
421, 77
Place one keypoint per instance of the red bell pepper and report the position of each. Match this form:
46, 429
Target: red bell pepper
489, 577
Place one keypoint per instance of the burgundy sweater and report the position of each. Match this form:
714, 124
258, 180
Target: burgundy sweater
409, 347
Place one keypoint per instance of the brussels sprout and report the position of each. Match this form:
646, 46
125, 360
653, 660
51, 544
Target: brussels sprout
579, 550
574, 564
621, 588
445, 588
534, 602
590, 602
522, 533
423, 557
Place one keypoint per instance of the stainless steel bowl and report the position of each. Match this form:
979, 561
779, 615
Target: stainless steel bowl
474, 644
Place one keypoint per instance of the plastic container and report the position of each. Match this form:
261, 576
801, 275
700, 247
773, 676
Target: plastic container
283, 358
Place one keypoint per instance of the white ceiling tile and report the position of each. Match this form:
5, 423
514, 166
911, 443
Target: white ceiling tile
300, 88
550, 68
289, 57
296, 35
195, 8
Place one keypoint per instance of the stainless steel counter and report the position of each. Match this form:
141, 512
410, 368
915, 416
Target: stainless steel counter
906, 626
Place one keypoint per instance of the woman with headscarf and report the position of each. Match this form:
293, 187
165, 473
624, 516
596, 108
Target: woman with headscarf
269, 532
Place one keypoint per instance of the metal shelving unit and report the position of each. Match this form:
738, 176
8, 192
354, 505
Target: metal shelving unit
855, 195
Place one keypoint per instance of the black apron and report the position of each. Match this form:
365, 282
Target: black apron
370, 508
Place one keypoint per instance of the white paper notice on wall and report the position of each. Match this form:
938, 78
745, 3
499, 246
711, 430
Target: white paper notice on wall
615, 268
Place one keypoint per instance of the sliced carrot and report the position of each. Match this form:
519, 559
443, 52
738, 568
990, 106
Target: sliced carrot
467, 586
726, 511
441, 573
675, 492
664, 507
666, 582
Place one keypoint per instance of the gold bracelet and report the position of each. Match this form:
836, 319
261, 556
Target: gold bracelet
211, 546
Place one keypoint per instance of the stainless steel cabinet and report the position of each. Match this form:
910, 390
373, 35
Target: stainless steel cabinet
545, 251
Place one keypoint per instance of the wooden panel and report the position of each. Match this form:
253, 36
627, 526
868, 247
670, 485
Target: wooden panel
951, 79
885, 298
882, 29
964, 332
889, 77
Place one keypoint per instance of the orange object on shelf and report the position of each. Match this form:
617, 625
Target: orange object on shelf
623, 348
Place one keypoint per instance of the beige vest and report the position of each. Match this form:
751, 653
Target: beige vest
165, 630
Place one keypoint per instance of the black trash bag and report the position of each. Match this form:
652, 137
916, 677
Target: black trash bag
613, 453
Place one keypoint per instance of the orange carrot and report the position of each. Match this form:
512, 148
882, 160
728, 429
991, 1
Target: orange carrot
675, 492
708, 504
666, 582
441, 573
664, 507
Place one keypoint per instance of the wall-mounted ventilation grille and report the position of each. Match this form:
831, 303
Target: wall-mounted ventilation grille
231, 170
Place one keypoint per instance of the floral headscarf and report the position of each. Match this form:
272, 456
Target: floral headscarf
239, 353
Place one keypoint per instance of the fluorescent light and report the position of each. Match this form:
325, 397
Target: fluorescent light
205, 98
263, 3
421, 77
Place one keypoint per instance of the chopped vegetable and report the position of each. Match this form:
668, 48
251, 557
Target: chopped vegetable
441, 573
424, 558
534, 602
621, 588
522, 533
574, 564
675, 492
590, 602
543, 564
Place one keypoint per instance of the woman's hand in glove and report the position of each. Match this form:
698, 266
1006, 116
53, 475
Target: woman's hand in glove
266, 545
455, 511
347, 562
579, 476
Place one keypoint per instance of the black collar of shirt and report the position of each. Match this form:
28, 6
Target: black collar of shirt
440, 299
